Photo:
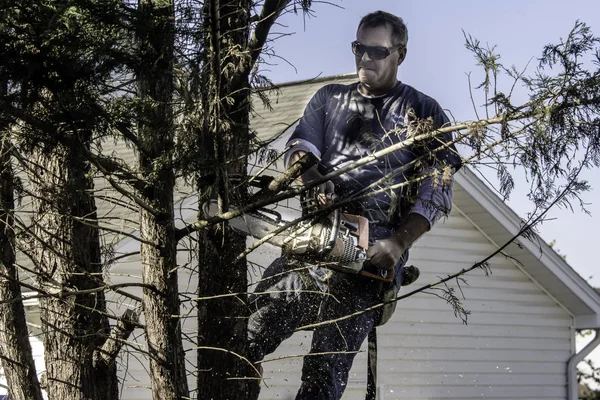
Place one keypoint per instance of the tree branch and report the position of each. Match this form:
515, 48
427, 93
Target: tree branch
109, 351
527, 227
268, 15
110, 166
261, 202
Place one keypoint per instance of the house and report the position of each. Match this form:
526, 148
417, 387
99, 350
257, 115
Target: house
519, 342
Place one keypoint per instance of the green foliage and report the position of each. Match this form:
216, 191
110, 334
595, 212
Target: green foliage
60, 59
556, 133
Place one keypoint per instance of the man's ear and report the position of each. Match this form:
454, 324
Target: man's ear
401, 55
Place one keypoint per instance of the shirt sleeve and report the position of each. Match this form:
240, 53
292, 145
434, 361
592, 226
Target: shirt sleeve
309, 134
434, 196
434, 193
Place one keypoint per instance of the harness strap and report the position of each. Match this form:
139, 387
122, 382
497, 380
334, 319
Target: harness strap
372, 365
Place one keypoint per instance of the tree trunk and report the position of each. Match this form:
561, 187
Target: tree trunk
15, 350
222, 322
155, 35
69, 260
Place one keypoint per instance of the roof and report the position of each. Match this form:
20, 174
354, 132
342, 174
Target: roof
288, 101
473, 198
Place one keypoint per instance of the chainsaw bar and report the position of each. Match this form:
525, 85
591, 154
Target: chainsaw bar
256, 224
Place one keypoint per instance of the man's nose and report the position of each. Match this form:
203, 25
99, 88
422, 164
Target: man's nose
365, 56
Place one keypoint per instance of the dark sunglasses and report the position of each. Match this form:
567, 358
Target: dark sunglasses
374, 52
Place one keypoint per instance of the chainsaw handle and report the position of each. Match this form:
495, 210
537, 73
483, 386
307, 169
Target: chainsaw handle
389, 277
335, 229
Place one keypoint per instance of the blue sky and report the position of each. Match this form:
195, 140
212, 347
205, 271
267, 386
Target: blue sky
437, 63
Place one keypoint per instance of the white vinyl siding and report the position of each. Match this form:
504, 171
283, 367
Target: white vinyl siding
32, 313
516, 344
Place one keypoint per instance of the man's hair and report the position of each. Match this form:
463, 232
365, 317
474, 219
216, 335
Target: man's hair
380, 18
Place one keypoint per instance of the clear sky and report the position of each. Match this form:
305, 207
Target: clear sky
437, 63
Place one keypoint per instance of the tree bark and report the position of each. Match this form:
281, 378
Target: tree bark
68, 258
15, 350
155, 35
222, 322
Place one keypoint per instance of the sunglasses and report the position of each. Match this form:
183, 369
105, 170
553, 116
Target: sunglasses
374, 52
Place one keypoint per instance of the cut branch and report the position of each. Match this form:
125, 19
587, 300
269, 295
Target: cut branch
269, 14
109, 351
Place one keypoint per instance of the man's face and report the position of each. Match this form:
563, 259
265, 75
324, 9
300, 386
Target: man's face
377, 77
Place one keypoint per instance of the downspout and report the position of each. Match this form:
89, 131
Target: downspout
572, 385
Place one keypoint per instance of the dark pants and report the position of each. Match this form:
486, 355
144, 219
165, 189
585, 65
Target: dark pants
290, 296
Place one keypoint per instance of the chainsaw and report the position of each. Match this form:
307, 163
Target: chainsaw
338, 241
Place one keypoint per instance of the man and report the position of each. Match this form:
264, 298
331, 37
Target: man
341, 124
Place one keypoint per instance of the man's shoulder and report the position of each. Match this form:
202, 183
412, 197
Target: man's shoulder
336, 88
422, 104
416, 96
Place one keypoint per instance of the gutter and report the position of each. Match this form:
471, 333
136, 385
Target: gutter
572, 385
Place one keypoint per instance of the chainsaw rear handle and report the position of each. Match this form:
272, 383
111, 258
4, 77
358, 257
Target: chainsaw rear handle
386, 276
335, 229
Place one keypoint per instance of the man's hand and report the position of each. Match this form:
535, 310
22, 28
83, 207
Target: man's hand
386, 253
325, 191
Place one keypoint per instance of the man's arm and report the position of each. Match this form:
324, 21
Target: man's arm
433, 201
295, 157
326, 189
386, 253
